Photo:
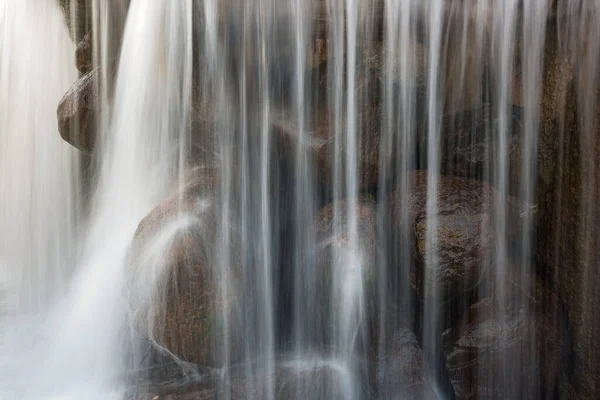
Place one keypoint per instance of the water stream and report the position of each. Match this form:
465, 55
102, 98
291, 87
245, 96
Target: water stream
326, 199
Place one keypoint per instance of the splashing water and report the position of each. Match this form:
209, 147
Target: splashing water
327, 241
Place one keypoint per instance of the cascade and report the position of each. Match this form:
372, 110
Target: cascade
321, 199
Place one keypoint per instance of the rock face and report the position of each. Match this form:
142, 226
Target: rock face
177, 278
204, 130
400, 373
79, 108
464, 230
471, 137
568, 192
483, 342
320, 143
77, 112
84, 54
290, 381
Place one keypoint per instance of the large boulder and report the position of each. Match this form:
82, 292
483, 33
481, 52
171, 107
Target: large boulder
400, 373
465, 231
78, 111
508, 349
184, 298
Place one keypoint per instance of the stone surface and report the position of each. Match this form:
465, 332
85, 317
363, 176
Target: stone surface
568, 192
203, 131
176, 275
77, 112
400, 374
526, 334
320, 143
84, 54
318, 381
465, 231
470, 138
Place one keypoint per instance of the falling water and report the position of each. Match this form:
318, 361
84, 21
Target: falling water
332, 199
131, 179
431, 307
39, 190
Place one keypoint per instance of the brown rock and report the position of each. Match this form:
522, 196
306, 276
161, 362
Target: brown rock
320, 143
84, 54
470, 138
373, 11
465, 230
569, 188
78, 110
174, 251
301, 380
400, 373
514, 351
78, 15
203, 130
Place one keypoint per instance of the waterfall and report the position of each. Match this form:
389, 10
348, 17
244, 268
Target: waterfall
320, 199
40, 187
84, 337
39, 210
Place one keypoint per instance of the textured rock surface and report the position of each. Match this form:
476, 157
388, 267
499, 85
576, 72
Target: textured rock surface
203, 130
530, 335
84, 54
568, 193
465, 230
173, 257
78, 110
290, 381
320, 143
400, 374
470, 139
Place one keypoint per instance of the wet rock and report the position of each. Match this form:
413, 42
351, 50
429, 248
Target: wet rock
514, 351
321, 146
301, 380
464, 231
84, 53
203, 131
78, 110
373, 12
400, 374
339, 213
78, 16
175, 277
470, 140
568, 191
